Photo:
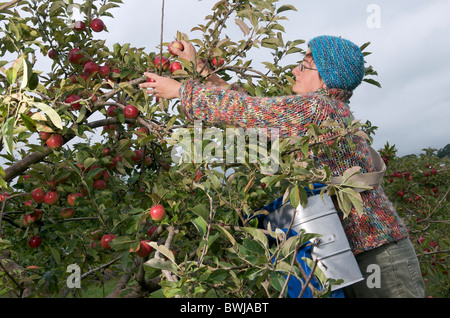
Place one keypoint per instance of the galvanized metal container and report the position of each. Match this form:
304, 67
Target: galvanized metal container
331, 249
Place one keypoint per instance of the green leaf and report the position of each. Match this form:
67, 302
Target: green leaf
55, 255
163, 250
11, 75
161, 264
226, 233
7, 133
26, 70
201, 210
28, 122
200, 224
286, 7
257, 235
294, 196
218, 276
51, 113
355, 199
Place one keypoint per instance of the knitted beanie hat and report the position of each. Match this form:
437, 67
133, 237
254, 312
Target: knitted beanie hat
340, 62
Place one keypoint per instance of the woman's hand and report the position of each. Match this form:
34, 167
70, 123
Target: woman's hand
189, 53
163, 87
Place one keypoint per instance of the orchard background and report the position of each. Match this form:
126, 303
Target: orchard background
86, 156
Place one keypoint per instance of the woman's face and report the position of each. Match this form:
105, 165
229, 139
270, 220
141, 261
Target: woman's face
308, 80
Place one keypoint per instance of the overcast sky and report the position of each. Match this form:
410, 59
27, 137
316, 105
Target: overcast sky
410, 45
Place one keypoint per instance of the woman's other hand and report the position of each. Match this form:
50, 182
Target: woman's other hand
160, 86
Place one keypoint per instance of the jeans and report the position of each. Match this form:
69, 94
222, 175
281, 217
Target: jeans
389, 271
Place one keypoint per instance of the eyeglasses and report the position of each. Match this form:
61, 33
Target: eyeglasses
302, 67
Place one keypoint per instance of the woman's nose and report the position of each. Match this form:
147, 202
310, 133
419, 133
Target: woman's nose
296, 71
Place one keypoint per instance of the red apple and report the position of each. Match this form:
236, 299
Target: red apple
99, 184
130, 112
67, 212
143, 130
91, 67
38, 195
433, 171
43, 135
175, 66
138, 154
111, 112
79, 26
104, 242
175, 44
104, 71
152, 230
32, 217
144, 250
35, 241
218, 61
161, 62
148, 161
400, 193
106, 152
113, 163
105, 175
72, 99
157, 212
55, 141
52, 54
72, 198
51, 197
75, 55
3, 196
97, 25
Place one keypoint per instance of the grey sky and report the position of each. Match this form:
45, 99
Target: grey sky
410, 49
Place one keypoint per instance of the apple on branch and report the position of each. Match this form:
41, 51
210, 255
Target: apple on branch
161, 63
130, 112
177, 45
55, 141
79, 26
157, 212
104, 242
35, 241
97, 25
38, 195
51, 197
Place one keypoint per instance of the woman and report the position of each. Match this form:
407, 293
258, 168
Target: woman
332, 68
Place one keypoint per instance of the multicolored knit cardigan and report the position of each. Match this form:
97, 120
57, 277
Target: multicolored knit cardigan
380, 223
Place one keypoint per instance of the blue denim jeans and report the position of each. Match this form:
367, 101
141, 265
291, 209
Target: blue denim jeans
390, 271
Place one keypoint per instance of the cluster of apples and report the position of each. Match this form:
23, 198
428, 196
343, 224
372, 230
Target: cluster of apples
157, 213
163, 63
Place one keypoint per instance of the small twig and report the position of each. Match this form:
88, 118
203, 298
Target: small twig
6, 5
100, 267
308, 281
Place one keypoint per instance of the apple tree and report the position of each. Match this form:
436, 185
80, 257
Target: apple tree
88, 181
418, 187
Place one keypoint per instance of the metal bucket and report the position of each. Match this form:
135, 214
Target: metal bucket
331, 249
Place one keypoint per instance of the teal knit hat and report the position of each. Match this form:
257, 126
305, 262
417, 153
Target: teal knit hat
340, 62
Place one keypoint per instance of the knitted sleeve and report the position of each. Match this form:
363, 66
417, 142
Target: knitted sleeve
226, 106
